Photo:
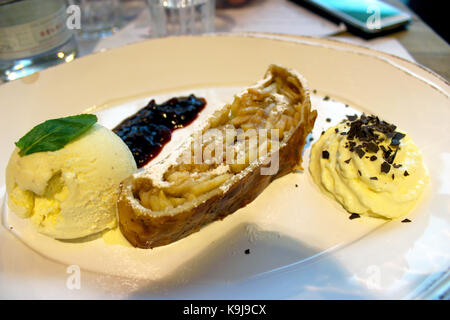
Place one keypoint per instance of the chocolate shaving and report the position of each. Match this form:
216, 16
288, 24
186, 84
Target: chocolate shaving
328, 119
373, 158
348, 161
371, 147
406, 220
359, 151
396, 138
406, 173
391, 158
386, 152
385, 167
326, 98
367, 129
325, 154
373, 178
354, 216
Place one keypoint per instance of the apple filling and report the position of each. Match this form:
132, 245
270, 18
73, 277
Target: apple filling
245, 132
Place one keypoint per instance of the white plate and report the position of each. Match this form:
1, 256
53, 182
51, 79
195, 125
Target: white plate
302, 244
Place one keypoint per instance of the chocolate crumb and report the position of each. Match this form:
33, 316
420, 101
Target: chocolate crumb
325, 154
360, 152
328, 119
326, 98
406, 220
322, 133
385, 167
348, 161
371, 147
311, 139
396, 138
343, 133
247, 251
314, 91
296, 185
392, 157
354, 216
336, 130
365, 135
346, 105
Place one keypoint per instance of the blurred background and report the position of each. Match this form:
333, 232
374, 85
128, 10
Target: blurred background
433, 13
36, 34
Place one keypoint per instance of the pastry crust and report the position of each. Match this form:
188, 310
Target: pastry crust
158, 210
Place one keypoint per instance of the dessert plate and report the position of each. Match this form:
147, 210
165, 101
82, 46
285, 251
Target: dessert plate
292, 242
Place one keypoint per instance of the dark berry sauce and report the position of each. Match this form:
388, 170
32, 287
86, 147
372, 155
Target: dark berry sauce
148, 130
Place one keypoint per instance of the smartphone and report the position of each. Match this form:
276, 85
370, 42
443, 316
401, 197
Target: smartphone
371, 17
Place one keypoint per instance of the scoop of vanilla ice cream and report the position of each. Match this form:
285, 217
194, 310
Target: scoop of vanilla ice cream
72, 192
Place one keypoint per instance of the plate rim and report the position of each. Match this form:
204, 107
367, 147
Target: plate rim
314, 41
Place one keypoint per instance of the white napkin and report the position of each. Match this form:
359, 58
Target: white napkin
386, 44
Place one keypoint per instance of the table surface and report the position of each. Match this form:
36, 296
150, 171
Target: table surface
423, 44
418, 42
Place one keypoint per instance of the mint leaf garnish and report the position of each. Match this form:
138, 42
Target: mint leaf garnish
54, 134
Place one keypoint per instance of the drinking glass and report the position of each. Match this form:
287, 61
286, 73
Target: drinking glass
99, 18
180, 17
